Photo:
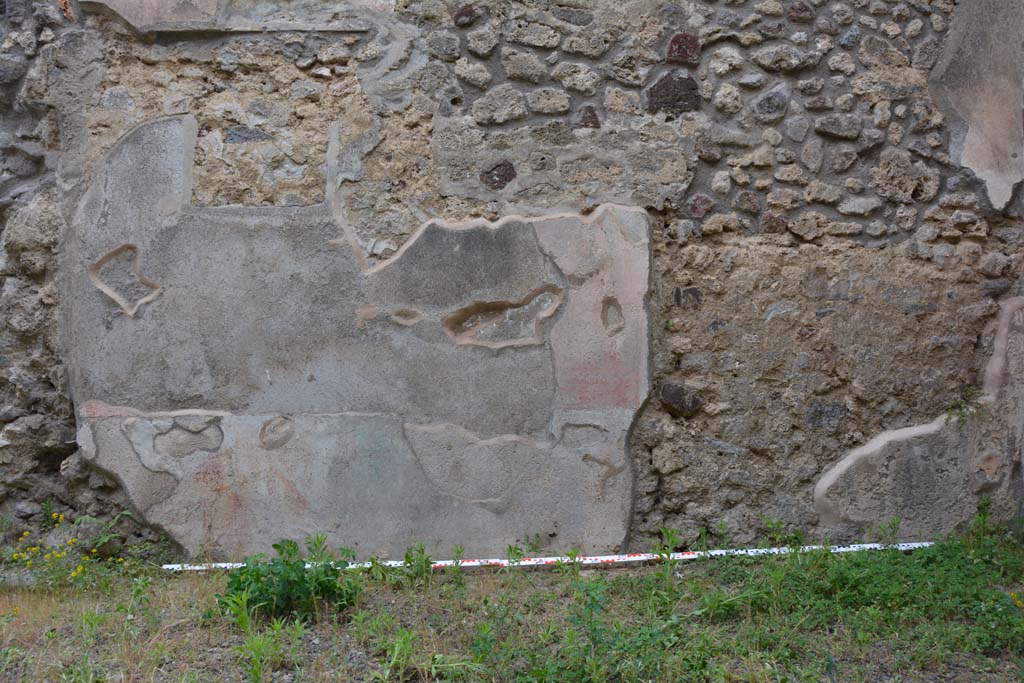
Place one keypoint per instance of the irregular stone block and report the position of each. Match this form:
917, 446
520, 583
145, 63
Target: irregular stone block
683, 48
841, 126
477, 385
770, 106
675, 93
499, 105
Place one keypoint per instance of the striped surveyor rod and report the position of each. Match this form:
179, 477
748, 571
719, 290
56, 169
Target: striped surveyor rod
597, 560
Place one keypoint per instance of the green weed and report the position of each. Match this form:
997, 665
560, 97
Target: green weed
967, 406
286, 586
418, 566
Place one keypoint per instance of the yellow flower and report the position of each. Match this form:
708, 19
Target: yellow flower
72, 541
93, 550
16, 611
28, 565
26, 534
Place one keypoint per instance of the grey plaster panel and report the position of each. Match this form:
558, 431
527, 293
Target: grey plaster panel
163, 16
247, 378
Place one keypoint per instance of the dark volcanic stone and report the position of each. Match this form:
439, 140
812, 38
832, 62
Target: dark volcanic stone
707, 152
771, 106
774, 223
773, 29
466, 16
825, 416
747, 201
12, 68
689, 298
801, 13
851, 38
499, 175
679, 401
573, 15
827, 26
674, 93
700, 205
993, 288
236, 134
587, 117
684, 48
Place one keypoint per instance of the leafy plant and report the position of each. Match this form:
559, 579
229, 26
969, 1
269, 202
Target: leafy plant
287, 586
888, 532
137, 605
91, 623
108, 528
777, 536
50, 518
456, 569
722, 533
670, 540
966, 406
514, 554
572, 567
380, 572
418, 566
256, 654
236, 607
83, 671
270, 649
447, 668
398, 665
10, 657
533, 544
372, 628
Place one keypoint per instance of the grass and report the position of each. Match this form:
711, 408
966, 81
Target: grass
952, 612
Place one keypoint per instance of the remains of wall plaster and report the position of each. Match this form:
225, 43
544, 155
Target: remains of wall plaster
295, 412
832, 188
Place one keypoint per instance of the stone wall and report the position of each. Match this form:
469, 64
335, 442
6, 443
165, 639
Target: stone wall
207, 204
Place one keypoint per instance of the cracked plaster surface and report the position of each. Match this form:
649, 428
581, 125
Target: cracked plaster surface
980, 80
278, 387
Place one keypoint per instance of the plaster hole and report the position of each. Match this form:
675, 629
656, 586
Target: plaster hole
611, 316
276, 432
504, 323
180, 442
117, 274
406, 317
